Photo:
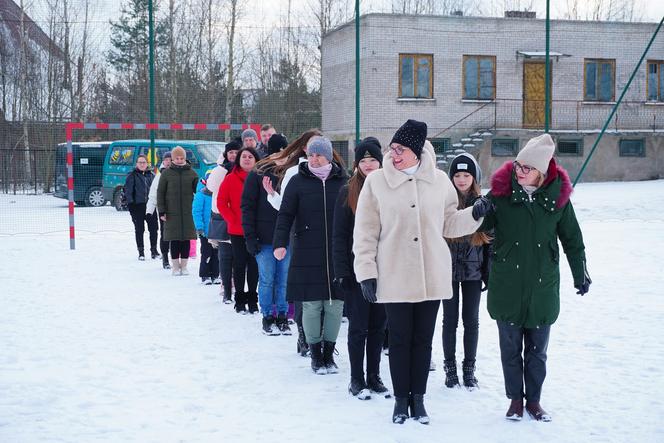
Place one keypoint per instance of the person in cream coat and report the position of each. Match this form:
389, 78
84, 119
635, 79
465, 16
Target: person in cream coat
401, 258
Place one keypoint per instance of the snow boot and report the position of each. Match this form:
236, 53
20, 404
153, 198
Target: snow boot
183, 266
269, 327
536, 412
417, 411
302, 346
154, 254
240, 302
328, 357
375, 384
252, 302
451, 377
358, 388
282, 325
164, 262
176, 267
515, 411
141, 255
216, 281
469, 380
400, 412
206, 281
317, 358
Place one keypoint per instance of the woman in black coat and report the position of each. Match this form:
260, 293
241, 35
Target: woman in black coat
367, 321
308, 202
137, 190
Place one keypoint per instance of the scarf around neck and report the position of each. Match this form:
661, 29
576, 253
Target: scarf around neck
322, 172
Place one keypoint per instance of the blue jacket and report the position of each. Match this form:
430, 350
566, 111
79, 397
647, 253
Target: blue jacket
201, 208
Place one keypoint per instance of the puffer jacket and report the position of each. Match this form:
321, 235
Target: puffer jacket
202, 208
137, 186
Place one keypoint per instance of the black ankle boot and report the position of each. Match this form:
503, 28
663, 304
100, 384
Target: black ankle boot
400, 413
469, 380
317, 358
451, 377
328, 357
417, 410
376, 385
302, 347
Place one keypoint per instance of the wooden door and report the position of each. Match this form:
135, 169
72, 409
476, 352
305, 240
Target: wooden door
533, 95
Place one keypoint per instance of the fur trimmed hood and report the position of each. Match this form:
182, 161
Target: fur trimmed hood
503, 181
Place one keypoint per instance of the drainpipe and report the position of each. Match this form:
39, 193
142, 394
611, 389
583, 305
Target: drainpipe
357, 72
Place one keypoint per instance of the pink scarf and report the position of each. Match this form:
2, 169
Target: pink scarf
323, 172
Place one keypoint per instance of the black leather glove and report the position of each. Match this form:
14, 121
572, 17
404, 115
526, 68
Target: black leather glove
481, 207
344, 283
585, 284
253, 247
485, 281
369, 290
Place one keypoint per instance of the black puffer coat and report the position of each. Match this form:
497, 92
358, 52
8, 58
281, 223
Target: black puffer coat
308, 202
258, 215
342, 239
137, 186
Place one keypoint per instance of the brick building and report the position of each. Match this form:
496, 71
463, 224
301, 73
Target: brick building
478, 82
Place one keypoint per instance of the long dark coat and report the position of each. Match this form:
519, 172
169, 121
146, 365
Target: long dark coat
308, 202
524, 282
258, 216
175, 196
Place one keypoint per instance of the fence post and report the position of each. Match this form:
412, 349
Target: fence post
70, 183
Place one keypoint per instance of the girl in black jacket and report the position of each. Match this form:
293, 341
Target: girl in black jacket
137, 190
367, 321
470, 268
308, 202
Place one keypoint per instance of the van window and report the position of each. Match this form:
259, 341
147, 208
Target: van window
122, 155
210, 152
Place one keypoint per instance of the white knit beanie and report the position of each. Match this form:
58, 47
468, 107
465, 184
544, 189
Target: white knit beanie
537, 153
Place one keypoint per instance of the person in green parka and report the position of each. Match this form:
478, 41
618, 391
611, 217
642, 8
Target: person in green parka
175, 194
532, 213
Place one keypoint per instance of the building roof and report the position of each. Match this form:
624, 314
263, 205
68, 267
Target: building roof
10, 13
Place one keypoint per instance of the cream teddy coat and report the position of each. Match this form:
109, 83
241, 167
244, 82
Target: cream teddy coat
400, 225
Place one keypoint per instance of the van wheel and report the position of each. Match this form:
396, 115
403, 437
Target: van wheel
95, 197
119, 200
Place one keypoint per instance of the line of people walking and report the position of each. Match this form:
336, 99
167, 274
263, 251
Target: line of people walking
287, 233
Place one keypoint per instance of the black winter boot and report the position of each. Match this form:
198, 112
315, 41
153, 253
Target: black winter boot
269, 327
141, 255
451, 377
417, 410
302, 346
164, 262
469, 380
400, 412
328, 357
282, 325
375, 384
240, 302
358, 388
317, 358
252, 302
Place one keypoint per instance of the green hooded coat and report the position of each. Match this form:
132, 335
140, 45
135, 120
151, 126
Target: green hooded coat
175, 194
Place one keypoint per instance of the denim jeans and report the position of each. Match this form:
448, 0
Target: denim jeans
272, 278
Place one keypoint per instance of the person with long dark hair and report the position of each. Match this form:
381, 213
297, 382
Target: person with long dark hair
308, 204
402, 259
470, 268
228, 203
366, 321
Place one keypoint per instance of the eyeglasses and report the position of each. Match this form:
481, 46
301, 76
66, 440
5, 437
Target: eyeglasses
523, 168
399, 150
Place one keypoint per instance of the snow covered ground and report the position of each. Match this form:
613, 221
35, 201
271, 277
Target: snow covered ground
96, 346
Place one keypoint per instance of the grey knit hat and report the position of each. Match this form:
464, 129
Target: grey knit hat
249, 133
321, 146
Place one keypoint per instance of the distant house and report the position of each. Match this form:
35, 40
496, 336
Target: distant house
479, 83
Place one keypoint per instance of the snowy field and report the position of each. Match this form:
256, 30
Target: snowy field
96, 346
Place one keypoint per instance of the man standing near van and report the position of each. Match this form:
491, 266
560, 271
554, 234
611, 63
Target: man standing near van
137, 189
267, 131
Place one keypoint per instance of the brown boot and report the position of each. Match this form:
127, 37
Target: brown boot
536, 412
515, 412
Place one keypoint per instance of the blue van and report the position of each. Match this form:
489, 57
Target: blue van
88, 164
121, 159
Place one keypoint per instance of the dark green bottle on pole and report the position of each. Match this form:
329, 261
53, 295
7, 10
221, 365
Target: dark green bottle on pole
153, 155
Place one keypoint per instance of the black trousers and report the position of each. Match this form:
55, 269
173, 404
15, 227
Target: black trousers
140, 218
225, 259
244, 265
209, 266
470, 312
411, 327
179, 249
163, 244
530, 368
366, 326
